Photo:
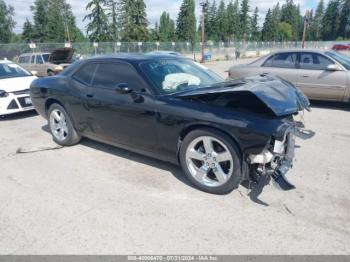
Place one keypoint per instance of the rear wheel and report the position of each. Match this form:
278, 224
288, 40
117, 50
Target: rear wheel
211, 161
61, 126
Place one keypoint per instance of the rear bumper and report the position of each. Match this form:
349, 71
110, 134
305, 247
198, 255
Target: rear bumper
15, 103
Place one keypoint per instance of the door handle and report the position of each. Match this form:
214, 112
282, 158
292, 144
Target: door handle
89, 95
305, 76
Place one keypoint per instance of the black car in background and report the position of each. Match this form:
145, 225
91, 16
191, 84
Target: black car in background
170, 108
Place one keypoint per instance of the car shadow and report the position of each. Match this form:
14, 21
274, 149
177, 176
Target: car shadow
18, 116
142, 159
255, 188
119, 152
330, 105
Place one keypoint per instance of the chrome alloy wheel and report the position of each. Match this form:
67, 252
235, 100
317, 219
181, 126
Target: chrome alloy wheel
209, 161
58, 125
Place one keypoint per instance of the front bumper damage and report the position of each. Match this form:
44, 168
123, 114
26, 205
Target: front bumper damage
276, 160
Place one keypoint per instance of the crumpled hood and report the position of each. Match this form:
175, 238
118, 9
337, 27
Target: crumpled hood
282, 97
61, 55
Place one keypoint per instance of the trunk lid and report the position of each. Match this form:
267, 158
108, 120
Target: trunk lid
280, 96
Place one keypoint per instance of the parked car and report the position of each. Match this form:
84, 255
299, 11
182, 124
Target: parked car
165, 53
14, 88
175, 110
321, 75
47, 64
340, 47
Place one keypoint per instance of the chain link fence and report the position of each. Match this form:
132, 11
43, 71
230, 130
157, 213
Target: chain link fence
215, 51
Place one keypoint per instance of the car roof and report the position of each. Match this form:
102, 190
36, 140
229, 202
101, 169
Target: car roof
135, 57
38, 53
6, 62
319, 51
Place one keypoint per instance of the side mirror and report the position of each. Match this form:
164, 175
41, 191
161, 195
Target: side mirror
333, 68
123, 88
34, 73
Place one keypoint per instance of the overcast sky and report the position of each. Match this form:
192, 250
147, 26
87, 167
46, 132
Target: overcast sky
154, 9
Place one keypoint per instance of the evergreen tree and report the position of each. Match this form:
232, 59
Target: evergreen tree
186, 22
222, 22
113, 19
166, 28
290, 13
316, 22
267, 32
254, 27
331, 20
344, 26
6, 22
284, 31
97, 28
244, 19
232, 20
211, 25
133, 20
41, 19
28, 31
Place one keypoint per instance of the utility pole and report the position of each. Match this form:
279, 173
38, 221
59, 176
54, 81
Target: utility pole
306, 23
203, 5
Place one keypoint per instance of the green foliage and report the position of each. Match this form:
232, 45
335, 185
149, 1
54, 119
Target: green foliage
133, 20
316, 22
344, 26
244, 19
166, 28
290, 13
222, 22
254, 27
331, 20
114, 24
28, 31
53, 22
6, 22
97, 29
186, 22
233, 20
285, 31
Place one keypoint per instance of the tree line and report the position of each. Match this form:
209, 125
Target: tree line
126, 20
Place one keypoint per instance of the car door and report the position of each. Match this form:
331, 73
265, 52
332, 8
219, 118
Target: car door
32, 65
282, 65
40, 66
316, 81
129, 118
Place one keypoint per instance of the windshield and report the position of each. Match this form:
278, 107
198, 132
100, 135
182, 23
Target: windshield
177, 75
343, 59
46, 57
12, 70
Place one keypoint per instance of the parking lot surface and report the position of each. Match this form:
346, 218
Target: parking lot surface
97, 199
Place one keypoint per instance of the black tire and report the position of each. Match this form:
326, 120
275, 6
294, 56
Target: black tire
72, 137
236, 174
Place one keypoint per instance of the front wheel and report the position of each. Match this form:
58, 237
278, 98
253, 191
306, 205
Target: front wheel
211, 161
61, 126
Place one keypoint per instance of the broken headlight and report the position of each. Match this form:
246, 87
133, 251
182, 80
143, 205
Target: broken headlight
3, 93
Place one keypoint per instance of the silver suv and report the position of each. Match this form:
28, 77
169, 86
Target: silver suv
47, 64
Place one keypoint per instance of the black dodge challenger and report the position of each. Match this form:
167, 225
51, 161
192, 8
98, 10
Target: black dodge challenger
173, 109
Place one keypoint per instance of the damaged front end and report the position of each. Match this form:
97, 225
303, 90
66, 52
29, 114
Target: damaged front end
275, 160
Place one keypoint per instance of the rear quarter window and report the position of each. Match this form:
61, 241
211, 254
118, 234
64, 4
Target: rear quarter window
24, 60
85, 74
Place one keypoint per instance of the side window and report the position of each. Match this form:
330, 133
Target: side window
39, 60
85, 74
24, 60
109, 75
283, 60
313, 61
32, 61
